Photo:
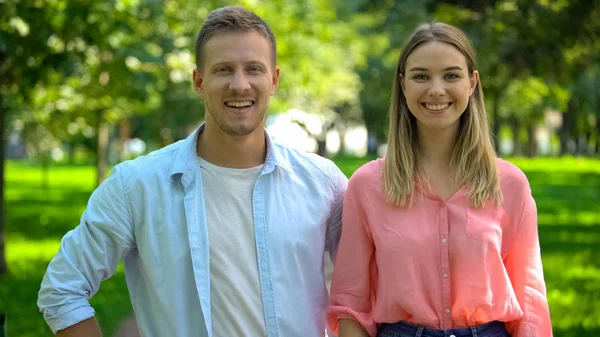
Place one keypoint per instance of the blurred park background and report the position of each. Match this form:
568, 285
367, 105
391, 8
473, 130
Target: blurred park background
86, 84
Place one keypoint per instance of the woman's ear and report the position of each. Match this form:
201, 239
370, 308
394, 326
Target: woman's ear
401, 81
474, 79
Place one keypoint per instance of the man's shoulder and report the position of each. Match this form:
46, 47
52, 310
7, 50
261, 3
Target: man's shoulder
156, 163
308, 163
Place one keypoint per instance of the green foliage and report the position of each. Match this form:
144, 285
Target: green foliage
525, 99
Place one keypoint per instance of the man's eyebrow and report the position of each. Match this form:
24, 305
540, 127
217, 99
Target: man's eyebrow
445, 69
227, 63
260, 63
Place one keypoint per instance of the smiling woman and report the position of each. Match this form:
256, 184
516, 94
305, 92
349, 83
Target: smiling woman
437, 86
439, 237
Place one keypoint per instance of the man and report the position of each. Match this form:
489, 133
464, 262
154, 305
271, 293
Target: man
223, 233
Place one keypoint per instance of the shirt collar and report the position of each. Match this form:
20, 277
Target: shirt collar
185, 160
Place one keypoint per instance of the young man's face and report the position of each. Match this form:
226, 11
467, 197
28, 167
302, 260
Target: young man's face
236, 81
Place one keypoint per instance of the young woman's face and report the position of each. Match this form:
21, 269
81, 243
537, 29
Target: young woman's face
437, 85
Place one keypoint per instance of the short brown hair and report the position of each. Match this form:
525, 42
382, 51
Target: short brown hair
232, 19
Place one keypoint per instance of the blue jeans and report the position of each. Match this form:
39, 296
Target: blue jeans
403, 329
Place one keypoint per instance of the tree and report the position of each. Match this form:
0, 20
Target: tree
22, 67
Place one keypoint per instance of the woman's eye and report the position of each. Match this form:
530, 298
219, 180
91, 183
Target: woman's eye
452, 76
420, 77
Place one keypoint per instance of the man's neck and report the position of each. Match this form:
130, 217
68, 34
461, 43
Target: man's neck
229, 151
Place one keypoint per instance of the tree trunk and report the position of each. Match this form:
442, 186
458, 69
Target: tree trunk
582, 145
124, 136
71, 152
322, 146
590, 149
566, 129
3, 266
532, 141
516, 133
495, 127
597, 146
342, 133
45, 161
102, 151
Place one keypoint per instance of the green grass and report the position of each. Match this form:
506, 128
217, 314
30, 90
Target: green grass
567, 192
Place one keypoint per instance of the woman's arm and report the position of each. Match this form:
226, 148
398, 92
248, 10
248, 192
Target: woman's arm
523, 264
354, 272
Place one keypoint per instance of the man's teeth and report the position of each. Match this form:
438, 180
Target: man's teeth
239, 104
437, 106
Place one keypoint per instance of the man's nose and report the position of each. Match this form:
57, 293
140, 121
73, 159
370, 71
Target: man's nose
239, 83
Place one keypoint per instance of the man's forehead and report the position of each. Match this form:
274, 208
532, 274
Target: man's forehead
237, 46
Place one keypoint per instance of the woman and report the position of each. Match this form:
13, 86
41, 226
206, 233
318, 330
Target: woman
440, 237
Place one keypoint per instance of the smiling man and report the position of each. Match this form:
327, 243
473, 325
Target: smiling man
223, 233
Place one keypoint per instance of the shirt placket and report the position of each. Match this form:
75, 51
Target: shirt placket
445, 270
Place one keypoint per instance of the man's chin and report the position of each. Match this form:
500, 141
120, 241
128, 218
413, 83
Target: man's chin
240, 130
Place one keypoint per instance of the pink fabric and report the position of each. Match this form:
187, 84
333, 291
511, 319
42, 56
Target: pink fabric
441, 264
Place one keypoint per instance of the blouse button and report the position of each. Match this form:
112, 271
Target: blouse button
447, 310
444, 240
445, 275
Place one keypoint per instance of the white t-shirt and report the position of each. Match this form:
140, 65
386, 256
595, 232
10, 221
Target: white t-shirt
235, 294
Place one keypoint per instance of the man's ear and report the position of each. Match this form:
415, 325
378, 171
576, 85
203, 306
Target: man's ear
275, 81
198, 82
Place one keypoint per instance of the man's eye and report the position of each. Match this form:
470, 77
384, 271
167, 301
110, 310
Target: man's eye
222, 70
254, 69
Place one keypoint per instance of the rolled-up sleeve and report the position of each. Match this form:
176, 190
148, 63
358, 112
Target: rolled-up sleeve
88, 254
524, 266
354, 275
334, 223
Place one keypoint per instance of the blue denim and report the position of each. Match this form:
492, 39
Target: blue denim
403, 329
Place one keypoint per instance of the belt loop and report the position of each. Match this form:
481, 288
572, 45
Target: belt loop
474, 331
419, 331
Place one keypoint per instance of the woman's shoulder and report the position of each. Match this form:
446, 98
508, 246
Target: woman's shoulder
512, 178
367, 177
368, 171
513, 183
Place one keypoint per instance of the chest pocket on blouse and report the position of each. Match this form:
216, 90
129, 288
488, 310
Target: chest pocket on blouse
484, 224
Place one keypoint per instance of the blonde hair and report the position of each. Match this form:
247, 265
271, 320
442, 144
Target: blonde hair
473, 161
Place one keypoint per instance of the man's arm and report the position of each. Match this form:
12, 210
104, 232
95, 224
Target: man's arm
88, 255
334, 223
351, 328
87, 328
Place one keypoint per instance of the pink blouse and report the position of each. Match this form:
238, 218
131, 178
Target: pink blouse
441, 264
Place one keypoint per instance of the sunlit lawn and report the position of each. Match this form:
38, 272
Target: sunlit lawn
567, 192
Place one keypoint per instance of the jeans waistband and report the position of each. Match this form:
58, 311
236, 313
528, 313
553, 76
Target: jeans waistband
404, 329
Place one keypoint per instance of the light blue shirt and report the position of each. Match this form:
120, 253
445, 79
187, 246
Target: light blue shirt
150, 213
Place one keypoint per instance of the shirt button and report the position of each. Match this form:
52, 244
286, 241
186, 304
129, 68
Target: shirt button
444, 240
447, 310
445, 275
